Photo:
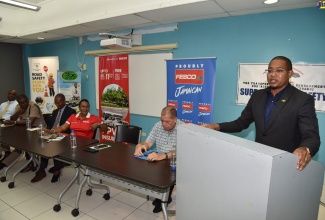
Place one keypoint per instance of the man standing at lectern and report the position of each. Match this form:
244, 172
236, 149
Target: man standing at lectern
284, 116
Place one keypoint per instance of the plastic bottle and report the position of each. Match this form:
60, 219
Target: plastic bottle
173, 162
27, 122
73, 139
40, 130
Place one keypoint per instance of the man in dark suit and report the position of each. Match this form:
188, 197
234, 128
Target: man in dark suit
284, 116
59, 117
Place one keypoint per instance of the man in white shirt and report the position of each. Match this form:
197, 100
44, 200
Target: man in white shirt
6, 110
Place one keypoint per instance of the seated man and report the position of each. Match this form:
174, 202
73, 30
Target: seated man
164, 135
6, 110
26, 108
59, 117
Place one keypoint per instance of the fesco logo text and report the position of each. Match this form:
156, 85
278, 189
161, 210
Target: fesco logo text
204, 108
187, 106
172, 104
195, 76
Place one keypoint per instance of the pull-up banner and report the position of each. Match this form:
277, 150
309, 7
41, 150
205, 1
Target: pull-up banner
190, 88
113, 92
43, 85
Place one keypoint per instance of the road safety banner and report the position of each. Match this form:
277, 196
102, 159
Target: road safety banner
43, 86
309, 78
190, 88
113, 92
69, 84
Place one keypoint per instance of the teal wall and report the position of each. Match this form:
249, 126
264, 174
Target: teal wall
298, 34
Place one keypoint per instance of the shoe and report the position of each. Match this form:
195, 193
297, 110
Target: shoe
56, 176
158, 201
5, 156
29, 167
158, 207
2, 165
39, 176
51, 170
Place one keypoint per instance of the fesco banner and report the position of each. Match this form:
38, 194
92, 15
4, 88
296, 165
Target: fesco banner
113, 92
43, 85
190, 88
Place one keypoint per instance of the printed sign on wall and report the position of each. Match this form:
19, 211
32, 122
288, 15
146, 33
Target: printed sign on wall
69, 83
309, 78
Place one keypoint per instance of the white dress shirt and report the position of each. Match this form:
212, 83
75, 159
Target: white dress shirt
10, 111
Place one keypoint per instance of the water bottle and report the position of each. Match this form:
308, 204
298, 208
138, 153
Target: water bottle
40, 130
27, 122
173, 162
73, 139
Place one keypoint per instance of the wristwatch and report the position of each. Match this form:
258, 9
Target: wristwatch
308, 150
166, 156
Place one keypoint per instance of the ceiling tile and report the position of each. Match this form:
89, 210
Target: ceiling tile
183, 12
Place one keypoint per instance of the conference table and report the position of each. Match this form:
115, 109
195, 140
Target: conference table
117, 164
29, 141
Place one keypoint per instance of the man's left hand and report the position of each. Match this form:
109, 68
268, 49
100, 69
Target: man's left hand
155, 156
303, 157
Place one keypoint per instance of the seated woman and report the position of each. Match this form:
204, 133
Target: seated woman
84, 124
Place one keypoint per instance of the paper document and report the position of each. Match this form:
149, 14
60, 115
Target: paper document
32, 129
3, 125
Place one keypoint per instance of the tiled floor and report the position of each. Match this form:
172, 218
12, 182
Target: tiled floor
35, 201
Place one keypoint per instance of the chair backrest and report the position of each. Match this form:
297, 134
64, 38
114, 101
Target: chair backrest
96, 134
48, 119
128, 133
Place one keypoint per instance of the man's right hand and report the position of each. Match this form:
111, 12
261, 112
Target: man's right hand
212, 126
139, 149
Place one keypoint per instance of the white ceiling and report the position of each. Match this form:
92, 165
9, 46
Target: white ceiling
204, 9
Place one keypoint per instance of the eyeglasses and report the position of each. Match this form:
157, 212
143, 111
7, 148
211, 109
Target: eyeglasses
277, 71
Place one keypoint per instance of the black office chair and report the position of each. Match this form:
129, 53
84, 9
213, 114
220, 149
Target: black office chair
128, 133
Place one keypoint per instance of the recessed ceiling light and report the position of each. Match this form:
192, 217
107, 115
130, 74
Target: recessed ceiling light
40, 38
269, 2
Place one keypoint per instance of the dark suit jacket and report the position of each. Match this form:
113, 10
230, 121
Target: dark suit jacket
64, 117
292, 124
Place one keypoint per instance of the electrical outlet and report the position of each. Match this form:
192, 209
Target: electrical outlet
144, 134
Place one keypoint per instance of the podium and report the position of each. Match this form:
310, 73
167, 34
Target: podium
221, 176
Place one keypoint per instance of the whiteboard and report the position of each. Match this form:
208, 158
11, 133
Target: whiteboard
148, 83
